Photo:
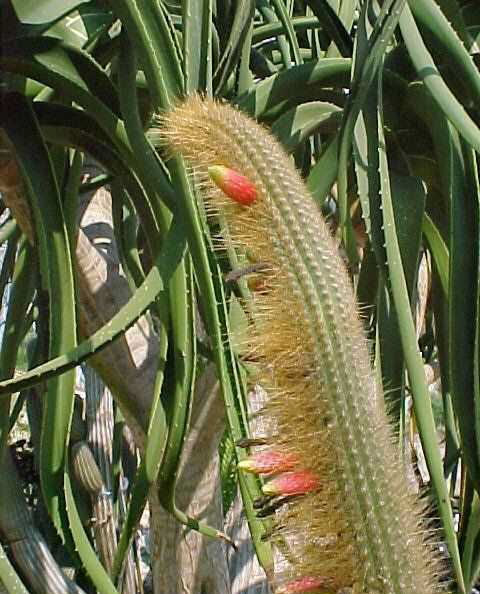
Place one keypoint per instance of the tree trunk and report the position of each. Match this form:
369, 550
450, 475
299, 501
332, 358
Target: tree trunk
185, 562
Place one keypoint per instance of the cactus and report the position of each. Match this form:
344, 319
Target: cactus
86, 469
352, 521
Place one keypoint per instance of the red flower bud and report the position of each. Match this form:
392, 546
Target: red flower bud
305, 584
268, 462
292, 483
235, 185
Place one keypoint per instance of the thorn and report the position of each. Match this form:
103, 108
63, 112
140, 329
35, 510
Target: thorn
227, 539
248, 442
235, 275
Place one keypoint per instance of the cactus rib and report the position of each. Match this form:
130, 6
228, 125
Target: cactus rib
86, 469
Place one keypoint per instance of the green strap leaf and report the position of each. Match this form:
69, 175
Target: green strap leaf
237, 32
471, 552
329, 20
414, 362
277, 88
459, 183
368, 59
72, 127
57, 275
431, 77
197, 45
408, 200
365, 151
428, 13
324, 173
87, 554
60, 73
49, 60
37, 12
463, 313
20, 296
439, 251
271, 16
298, 123
157, 428
207, 271
155, 281
151, 33
299, 24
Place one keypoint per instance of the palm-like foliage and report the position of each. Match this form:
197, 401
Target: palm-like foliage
378, 103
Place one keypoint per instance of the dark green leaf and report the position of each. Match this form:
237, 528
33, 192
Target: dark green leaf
37, 12
329, 20
243, 16
297, 124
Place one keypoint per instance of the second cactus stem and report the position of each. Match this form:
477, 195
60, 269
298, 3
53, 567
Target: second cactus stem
347, 515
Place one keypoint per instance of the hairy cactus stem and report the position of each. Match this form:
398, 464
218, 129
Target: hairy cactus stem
360, 527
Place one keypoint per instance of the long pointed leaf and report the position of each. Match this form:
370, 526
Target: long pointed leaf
57, 274
154, 282
430, 75
414, 363
197, 45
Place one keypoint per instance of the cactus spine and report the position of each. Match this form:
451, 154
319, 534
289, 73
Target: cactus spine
359, 526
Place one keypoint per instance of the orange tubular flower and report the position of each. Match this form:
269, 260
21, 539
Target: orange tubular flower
269, 462
292, 483
235, 185
305, 584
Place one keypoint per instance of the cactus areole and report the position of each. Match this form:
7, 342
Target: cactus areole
353, 525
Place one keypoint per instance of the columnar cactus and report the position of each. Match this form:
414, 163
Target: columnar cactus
86, 469
349, 517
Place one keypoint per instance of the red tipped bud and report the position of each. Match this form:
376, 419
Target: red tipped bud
292, 483
305, 584
235, 185
268, 462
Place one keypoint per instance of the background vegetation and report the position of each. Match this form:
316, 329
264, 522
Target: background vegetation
107, 261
